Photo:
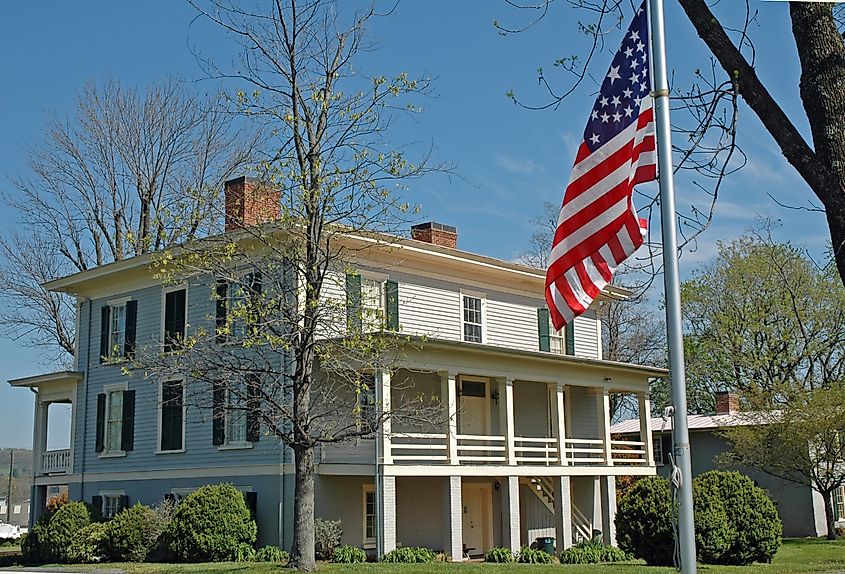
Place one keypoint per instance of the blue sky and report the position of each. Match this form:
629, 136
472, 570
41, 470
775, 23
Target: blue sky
509, 160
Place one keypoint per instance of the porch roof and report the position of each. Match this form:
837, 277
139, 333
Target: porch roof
55, 378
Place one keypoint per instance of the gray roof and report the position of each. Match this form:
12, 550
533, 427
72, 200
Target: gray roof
694, 422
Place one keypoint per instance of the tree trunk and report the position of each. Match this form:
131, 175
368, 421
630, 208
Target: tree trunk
302, 553
829, 516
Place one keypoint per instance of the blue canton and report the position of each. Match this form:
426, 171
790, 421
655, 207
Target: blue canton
625, 86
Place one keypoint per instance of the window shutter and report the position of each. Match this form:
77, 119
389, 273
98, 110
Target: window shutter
220, 309
251, 500
353, 302
179, 314
253, 405
218, 416
104, 332
543, 329
127, 428
392, 302
123, 503
101, 423
97, 503
570, 337
131, 320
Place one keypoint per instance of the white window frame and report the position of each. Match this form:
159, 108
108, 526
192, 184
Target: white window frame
227, 442
482, 297
236, 327
117, 348
366, 322
159, 409
107, 495
164, 293
839, 505
657, 449
108, 390
368, 489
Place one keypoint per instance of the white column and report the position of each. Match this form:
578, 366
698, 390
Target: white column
383, 382
510, 513
645, 427
506, 417
559, 418
603, 408
449, 390
387, 529
563, 513
453, 533
608, 509
39, 435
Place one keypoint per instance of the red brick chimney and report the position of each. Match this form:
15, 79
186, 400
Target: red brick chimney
436, 234
250, 202
727, 403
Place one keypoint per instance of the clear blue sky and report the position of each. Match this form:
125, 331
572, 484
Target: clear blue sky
511, 160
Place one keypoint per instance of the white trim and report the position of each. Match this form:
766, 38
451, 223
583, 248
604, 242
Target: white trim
119, 301
107, 391
104, 494
235, 446
164, 291
657, 440
158, 410
367, 543
482, 297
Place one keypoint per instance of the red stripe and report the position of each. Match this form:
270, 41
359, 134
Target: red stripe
646, 116
583, 152
602, 266
586, 283
613, 162
577, 220
586, 248
616, 250
557, 318
566, 291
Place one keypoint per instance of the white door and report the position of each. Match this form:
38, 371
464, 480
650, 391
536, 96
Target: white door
474, 408
473, 519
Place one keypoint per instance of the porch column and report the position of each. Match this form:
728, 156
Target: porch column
559, 421
383, 382
563, 513
645, 427
39, 435
453, 529
510, 513
387, 516
506, 417
603, 412
449, 391
608, 509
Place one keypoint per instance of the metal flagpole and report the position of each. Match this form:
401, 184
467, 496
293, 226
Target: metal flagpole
671, 279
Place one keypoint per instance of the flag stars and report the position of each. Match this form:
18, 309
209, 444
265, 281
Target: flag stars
617, 116
635, 35
634, 64
616, 101
613, 74
628, 111
640, 47
594, 115
604, 118
627, 93
629, 51
595, 139
634, 78
603, 101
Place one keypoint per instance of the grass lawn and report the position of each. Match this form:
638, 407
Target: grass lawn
796, 555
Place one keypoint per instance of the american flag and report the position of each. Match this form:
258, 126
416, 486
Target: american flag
598, 227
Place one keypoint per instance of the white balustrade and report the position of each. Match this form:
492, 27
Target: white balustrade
55, 461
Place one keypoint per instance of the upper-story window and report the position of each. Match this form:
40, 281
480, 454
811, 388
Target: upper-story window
115, 420
473, 318
172, 416
236, 414
174, 318
117, 334
117, 329
236, 409
372, 304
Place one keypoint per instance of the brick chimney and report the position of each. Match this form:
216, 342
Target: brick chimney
727, 403
436, 234
250, 202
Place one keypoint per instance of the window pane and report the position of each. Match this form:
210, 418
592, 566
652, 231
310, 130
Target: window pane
174, 319
472, 333
370, 515
171, 415
117, 334
472, 319
236, 415
371, 304
114, 420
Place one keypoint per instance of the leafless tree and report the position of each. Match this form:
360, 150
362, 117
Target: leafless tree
126, 173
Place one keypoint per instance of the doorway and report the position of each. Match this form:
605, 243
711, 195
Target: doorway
474, 407
477, 524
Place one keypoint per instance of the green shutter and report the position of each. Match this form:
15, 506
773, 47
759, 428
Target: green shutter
353, 302
127, 428
104, 333
101, 423
392, 301
218, 413
570, 338
543, 329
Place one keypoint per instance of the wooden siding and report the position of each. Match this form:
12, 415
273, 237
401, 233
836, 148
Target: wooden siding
531, 409
588, 335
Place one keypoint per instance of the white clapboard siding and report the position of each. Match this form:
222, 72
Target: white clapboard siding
430, 310
587, 343
512, 324
583, 413
334, 304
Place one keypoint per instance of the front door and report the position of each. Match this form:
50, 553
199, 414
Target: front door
474, 407
474, 523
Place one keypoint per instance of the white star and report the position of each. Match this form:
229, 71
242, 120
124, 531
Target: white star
640, 46
627, 92
628, 111
643, 87
634, 64
635, 35
639, 10
634, 78
594, 115
637, 101
615, 101
613, 74
629, 51
595, 139
604, 118
617, 116
603, 101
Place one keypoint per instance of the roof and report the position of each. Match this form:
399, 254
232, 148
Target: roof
59, 376
694, 422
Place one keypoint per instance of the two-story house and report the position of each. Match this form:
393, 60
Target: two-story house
525, 449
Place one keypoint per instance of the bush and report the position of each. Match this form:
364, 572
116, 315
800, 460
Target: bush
409, 555
211, 525
644, 522
132, 534
88, 544
592, 552
327, 535
245, 553
33, 549
750, 530
348, 555
499, 555
530, 555
61, 530
271, 554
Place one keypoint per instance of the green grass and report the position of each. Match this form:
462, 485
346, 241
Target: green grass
795, 556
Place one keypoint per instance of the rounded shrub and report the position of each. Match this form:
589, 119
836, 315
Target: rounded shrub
752, 529
211, 525
88, 544
348, 555
271, 554
33, 549
499, 555
528, 555
713, 533
63, 526
132, 534
409, 555
327, 535
592, 552
644, 522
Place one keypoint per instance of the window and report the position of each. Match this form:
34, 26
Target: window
372, 304
172, 416
114, 420
839, 503
117, 331
174, 318
472, 319
236, 413
367, 414
657, 449
369, 515
112, 502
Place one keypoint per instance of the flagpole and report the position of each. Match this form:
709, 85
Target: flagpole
671, 279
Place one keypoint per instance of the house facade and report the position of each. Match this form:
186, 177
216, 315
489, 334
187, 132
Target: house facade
524, 450
801, 509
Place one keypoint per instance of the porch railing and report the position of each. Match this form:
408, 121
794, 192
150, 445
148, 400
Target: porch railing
531, 450
584, 451
55, 461
481, 448
419, 447
628, 452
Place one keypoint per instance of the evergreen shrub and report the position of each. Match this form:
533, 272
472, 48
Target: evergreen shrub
409, 555
499, 555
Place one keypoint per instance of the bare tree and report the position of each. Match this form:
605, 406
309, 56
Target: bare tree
330, 185
126, 173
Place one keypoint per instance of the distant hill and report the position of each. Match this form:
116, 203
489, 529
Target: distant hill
21, 473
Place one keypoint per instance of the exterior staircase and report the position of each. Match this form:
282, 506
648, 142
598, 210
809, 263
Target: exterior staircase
543, 488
